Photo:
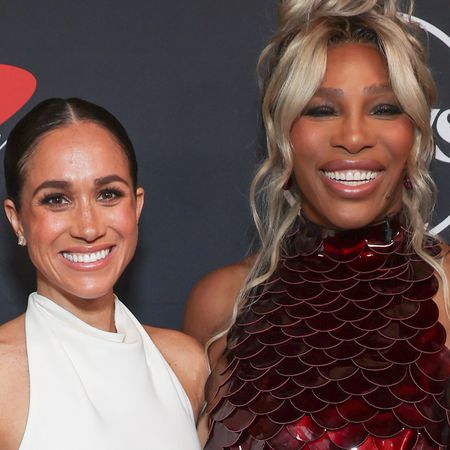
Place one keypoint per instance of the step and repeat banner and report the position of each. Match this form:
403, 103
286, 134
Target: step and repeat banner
181, 78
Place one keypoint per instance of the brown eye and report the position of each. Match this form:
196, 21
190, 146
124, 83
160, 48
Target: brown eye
56, 200
109, 195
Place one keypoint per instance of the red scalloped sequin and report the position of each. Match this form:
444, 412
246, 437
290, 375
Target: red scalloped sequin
341, 349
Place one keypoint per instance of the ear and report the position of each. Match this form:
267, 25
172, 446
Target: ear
13, 216
139, 202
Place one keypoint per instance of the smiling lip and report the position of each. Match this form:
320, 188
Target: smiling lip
352, 179
82, 258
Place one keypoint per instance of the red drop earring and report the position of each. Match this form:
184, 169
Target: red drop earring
407, 182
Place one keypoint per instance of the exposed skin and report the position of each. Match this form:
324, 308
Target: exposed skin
208, 312
210, 304
90, 205
353, 117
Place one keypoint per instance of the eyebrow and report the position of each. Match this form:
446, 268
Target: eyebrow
110, 179
61, 184
378, 88
373, 89
333, 92
51, 184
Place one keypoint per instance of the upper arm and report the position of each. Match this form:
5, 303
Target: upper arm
440, 297
187, 359
14, 392
210, 304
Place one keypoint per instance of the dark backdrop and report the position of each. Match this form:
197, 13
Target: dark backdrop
181, 78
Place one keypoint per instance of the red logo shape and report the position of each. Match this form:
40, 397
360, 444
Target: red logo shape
16, 88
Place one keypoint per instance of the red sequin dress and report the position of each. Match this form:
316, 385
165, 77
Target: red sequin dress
340, 349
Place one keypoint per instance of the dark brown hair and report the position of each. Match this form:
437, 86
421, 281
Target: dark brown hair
50, 115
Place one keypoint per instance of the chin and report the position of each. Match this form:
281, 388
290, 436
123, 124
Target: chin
351, 215
89, 292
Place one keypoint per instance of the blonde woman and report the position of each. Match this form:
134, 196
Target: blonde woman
334, 335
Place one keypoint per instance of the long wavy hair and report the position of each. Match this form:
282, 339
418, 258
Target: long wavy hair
291, 68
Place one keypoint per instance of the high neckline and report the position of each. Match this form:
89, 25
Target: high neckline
72, 321
307, 237
385, 227
110, 385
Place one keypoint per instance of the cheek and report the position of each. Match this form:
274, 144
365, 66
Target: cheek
41, 226
306, 142
400, 139
42, 234
124, 221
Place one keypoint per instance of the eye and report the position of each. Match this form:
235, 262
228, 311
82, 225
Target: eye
387, 109
110, 195
320, 111
55, 200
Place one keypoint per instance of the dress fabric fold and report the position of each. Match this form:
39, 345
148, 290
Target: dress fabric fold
97, 390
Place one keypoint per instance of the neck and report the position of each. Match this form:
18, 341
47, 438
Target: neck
332, 230
97, 312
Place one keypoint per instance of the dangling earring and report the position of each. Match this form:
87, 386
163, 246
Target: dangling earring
21, 240
407, 182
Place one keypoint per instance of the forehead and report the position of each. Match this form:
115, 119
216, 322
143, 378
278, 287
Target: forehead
353, 64
76, 152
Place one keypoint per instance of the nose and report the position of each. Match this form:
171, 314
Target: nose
353, 134
87, 222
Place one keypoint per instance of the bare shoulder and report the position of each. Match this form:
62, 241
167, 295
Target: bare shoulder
13, 382
13, 355
187, 359
445, 251
12, 340
445, 254
444, 317
210, 304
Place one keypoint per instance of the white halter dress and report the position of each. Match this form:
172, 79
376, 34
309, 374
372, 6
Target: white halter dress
95, 390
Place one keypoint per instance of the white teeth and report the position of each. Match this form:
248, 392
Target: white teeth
86, 257
352, 177
354, 183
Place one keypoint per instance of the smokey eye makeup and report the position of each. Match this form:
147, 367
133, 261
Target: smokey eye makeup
387, 109
326, 110
323, 110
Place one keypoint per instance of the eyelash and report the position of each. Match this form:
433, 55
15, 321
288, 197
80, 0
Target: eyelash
320, 111
387, 109
326, 110
54, 200
114, 193
59, 200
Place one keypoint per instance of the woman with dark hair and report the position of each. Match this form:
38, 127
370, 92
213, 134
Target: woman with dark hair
334, 336
77, 370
